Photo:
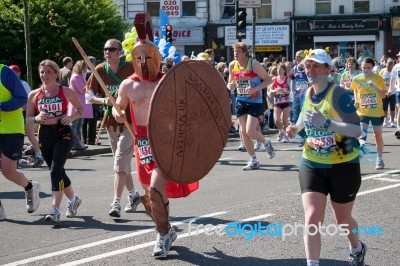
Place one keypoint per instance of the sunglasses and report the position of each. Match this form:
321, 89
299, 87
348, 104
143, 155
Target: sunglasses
110, 49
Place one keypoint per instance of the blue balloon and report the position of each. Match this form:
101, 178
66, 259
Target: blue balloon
166, 48
156, 40
177, 58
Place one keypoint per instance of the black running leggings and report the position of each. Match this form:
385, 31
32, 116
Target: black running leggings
55, 143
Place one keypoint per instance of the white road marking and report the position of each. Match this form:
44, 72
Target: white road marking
377, 189
101, 242
387, 179
381, 174
147, 244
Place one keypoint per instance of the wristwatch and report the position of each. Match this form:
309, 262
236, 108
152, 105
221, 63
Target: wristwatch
327, 123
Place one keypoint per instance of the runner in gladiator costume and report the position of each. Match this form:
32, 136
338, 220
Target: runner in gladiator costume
137, 91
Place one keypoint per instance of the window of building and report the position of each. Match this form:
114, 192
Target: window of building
322, 7
361, 6
265, 12
153, 7
188, 8
227, 9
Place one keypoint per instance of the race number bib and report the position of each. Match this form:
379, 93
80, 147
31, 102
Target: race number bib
323, 141
368, 100
242, 86
301, 85
281, 98
144, 151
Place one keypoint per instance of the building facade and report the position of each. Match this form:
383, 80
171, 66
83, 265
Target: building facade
355, 28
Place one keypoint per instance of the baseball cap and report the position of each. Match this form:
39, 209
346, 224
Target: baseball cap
317, 55
202, 56
15, 68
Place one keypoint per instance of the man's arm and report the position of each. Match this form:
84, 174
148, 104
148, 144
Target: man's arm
122, 100
261, 73
14, 85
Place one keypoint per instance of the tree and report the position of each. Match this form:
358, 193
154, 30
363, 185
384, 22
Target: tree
53, 24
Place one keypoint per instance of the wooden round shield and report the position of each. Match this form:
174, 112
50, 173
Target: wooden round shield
189, 121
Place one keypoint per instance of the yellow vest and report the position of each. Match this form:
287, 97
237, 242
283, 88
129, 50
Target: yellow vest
322, 146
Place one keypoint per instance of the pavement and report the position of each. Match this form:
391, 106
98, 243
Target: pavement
104, 146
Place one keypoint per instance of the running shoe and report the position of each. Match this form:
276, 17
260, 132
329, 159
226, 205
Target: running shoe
164, 243
359, 258
37, 160
285, 139
115, 210
251, 166
257, 145
301, 142
269, 149
72, 207
242, 147
280, 136
53, 216
131, 206
32, 197
379, 165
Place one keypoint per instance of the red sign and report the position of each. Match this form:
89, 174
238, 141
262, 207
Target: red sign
287, 14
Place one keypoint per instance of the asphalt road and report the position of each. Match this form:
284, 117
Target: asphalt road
226, 195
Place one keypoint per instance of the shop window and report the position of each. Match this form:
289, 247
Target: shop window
361, 6
265, 12
322, 7
153, 7
227, 9
188, 8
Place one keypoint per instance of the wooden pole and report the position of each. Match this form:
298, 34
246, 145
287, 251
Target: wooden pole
102, 84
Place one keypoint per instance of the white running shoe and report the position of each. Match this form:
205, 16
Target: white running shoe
251, 166
162, 246
257, 145
131, 206
269, 149
72, 207
53, 216
32, 197
280, 136
242, 147
379, 165
359, 258
285, 139
115, 210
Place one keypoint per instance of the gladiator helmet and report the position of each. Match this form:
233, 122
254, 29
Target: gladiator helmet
145, 52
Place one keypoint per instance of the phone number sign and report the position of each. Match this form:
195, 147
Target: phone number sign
265, 35
172, 8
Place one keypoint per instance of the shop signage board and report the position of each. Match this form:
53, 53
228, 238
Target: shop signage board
249, 3
265, 35
337, 25
269, 48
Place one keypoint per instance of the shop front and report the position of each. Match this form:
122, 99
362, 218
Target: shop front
345, 37
271, 40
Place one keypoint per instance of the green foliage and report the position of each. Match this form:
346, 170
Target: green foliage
52, 26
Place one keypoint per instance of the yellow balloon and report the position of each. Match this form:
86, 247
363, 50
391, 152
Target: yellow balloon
128, 57
127, 35
134, 30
